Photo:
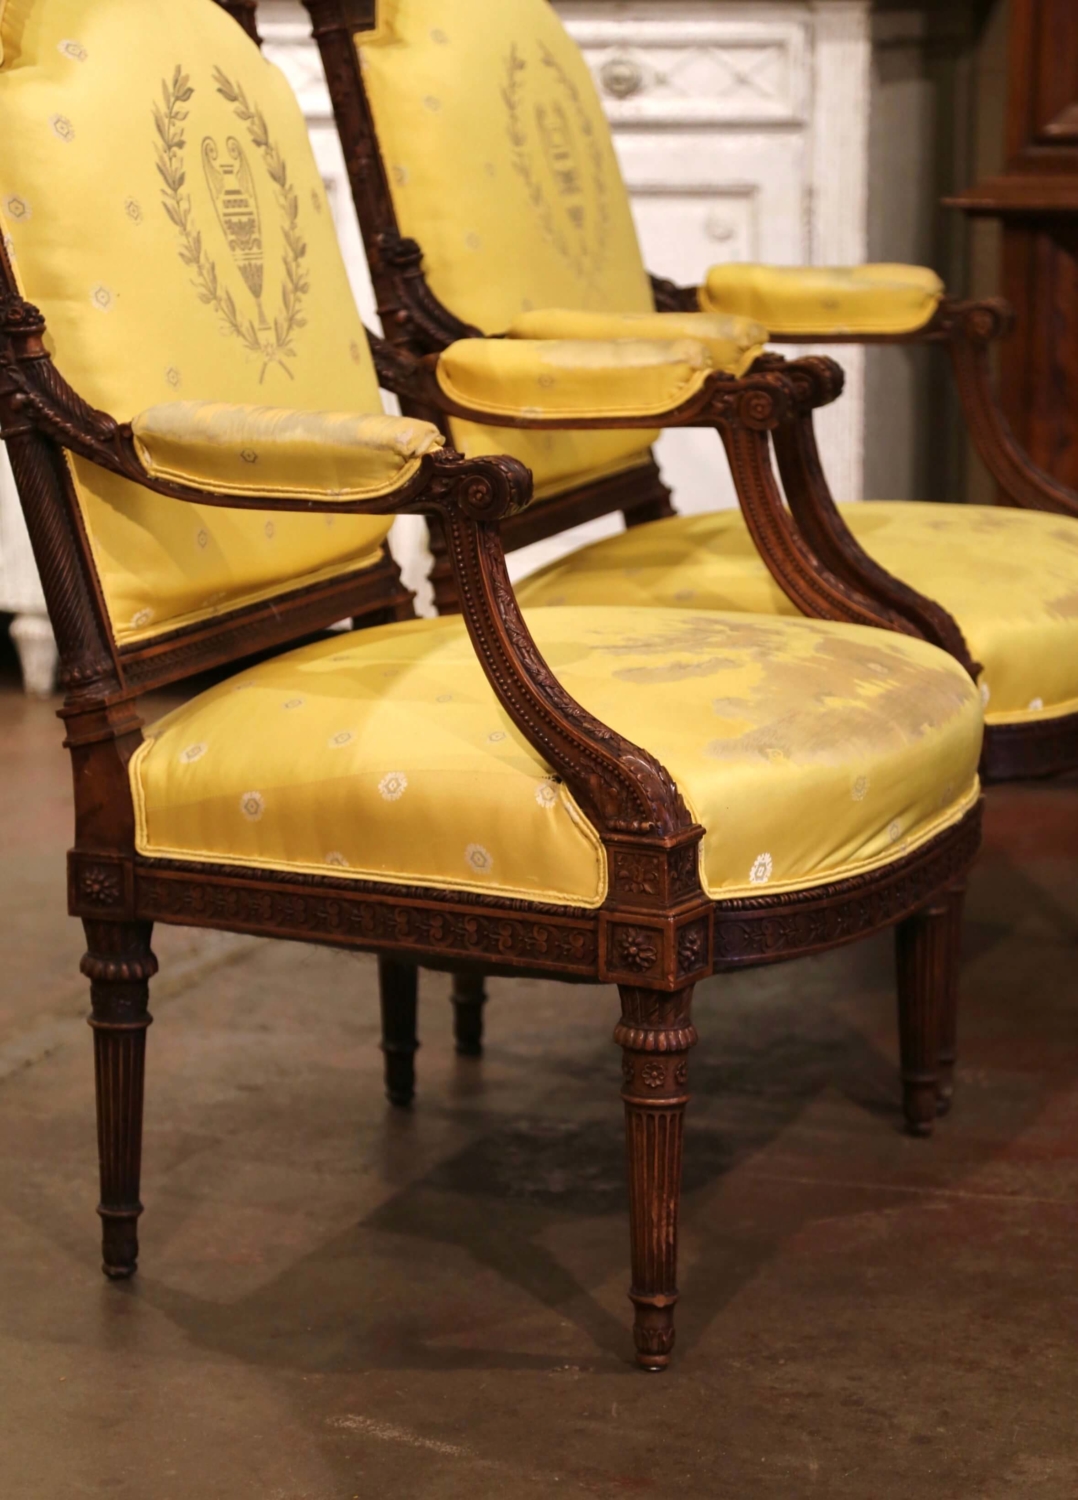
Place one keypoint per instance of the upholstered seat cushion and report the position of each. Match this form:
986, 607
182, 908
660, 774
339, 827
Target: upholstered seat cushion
262, 450
808, 751
805, 300
573, 378
732, 342
1009, 577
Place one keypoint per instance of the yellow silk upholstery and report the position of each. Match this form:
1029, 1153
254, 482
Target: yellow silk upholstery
804, 300
160, 203
573, 378
733, 343
808, 751
1009, 577
500, 164
262, 450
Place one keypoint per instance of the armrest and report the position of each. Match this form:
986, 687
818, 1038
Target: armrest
549, 382
272, 451
826, 301
734, 343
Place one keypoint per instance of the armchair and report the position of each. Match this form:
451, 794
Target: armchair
490, 202
355, 791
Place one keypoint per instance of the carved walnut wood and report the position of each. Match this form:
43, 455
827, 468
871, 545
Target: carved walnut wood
656, 935
655, 1034
817, 381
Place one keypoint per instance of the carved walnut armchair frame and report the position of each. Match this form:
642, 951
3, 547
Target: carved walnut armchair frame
656, 935
814, 558
808, 548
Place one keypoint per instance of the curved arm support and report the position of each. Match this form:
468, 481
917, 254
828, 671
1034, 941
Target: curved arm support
820, 521
974, 327
802, 575
622, 788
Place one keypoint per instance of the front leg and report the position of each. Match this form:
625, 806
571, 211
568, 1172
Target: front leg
655, 1033
119, 966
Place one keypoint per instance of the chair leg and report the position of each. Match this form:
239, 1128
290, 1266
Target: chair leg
956, 896
655, 1033
119, 966
924, 954
469, 997
398, 984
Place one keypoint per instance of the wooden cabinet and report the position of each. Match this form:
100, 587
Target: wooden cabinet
1036, 197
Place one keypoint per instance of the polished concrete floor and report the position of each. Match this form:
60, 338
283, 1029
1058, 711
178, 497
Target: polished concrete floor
341, 1301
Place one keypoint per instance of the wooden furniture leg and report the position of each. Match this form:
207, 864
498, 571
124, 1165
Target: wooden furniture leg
948, 1053
469, 997
655, 1033
926, 955
398, 986
119, 966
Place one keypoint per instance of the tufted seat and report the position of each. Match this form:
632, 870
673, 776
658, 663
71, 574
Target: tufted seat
1009, 577
808, 751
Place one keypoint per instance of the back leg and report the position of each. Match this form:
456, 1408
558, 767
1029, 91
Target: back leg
469, 997
398, 985
956, 896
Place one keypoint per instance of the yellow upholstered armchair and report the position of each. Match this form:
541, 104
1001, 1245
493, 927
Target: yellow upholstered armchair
491, 202
207, 474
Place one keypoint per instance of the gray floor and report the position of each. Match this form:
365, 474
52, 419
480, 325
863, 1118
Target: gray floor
337, 1300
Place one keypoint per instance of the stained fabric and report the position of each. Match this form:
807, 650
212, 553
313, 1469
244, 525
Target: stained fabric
1009, 578
808, 751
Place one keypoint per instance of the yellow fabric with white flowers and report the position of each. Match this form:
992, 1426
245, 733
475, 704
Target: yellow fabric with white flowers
573, 377
805, 300
733, 343
160, 203
500, 164
263, 450
1009, 577
809, 752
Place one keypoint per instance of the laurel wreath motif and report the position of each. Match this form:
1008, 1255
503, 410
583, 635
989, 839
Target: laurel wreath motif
172, 143
585, 263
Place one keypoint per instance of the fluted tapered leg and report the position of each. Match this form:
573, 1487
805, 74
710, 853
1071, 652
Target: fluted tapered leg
923, 950
956, 896
469, 997
119, 965
398, 983
655, 1034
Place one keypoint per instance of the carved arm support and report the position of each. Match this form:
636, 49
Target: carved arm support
745, 412
817, 381
968, 329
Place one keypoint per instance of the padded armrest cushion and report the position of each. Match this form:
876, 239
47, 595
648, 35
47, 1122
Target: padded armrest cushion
557, 378
803, 300
265, 450
733, 342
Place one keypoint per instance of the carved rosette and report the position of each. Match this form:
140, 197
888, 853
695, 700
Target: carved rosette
99, 885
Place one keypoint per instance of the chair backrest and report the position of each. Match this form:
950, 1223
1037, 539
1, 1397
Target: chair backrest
500, 163
160, 203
